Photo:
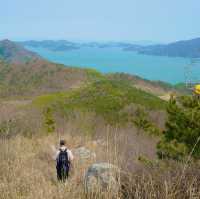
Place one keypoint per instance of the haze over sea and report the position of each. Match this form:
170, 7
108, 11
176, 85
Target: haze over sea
107, 60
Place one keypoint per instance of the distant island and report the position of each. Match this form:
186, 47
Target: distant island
60, 45
187, 48
63, 45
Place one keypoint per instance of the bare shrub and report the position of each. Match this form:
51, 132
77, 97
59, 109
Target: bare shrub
27, 122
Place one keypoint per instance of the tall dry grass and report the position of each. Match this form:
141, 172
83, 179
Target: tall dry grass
27, 168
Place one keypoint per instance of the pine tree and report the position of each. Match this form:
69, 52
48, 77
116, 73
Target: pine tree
182, 133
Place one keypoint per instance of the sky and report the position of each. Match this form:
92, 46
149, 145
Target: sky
100, 20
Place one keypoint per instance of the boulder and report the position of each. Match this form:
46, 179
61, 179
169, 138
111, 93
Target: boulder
102, 177
83, 153
101, 142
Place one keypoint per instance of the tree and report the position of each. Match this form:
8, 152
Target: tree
49, 122
141, 120
182, 133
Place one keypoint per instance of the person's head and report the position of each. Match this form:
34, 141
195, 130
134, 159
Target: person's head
62, 142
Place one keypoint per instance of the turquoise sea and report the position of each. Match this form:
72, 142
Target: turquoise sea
109, 60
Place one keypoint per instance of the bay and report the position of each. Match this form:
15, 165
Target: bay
109, 60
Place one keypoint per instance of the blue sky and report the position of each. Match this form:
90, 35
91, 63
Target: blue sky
116, 20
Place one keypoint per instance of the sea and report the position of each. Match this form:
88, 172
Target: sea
115, 59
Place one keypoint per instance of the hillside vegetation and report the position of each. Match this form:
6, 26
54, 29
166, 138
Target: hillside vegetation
108, 93
117, 102
36, 77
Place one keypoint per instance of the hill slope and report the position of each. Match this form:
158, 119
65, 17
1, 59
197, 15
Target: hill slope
111, 99
37, 77
24, 73
157, 88
15, 53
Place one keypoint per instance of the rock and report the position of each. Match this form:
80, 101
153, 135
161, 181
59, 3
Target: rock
84, 153
101, 142
101, 177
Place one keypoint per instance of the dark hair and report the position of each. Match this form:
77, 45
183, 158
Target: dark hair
62, 142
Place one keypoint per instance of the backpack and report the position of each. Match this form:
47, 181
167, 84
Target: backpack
63, 160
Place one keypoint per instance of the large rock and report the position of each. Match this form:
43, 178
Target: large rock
102, 177
82, 153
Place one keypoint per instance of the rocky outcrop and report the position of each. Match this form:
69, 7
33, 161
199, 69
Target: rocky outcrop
102, 177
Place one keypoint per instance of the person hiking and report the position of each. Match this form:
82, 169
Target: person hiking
64, 158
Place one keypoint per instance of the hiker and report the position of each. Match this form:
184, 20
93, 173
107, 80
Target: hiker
64, 158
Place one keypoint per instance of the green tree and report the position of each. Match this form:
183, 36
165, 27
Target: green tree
49, 122
141, 120
182, 133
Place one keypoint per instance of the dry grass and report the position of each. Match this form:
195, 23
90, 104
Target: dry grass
27, 169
